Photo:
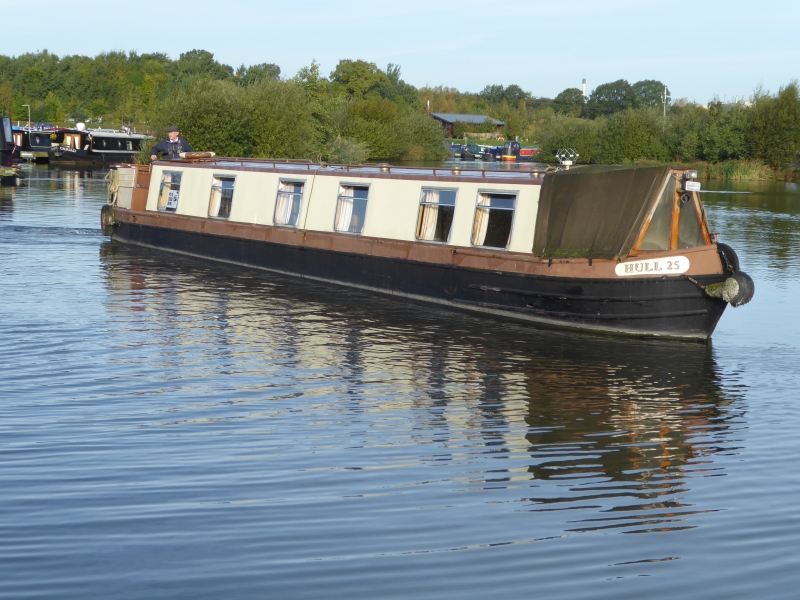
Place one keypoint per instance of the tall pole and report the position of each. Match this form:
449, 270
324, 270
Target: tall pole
664, 101
29, 114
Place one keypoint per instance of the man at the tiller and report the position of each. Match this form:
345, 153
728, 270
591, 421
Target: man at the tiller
172, 146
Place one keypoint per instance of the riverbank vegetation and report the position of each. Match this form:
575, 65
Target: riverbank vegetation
357, 113
361, 112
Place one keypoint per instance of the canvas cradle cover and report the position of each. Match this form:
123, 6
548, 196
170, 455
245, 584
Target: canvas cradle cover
595, 212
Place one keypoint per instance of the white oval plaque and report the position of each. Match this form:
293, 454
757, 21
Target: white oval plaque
671, 265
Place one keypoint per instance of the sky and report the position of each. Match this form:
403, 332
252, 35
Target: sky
699, 48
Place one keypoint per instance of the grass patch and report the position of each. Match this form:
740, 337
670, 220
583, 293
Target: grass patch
732, 170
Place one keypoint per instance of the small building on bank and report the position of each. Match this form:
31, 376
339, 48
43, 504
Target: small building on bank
448, 120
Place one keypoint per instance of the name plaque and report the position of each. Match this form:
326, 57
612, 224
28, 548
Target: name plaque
671, 265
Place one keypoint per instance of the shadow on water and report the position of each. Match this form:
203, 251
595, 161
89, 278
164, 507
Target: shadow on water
613, 429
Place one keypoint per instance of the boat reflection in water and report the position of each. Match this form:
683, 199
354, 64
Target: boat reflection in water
6, 203
612, 429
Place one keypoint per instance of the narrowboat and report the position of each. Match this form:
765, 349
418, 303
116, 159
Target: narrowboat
34, 143
97, 146
529, 153
7, 142
623, 250
510, 151
473, 152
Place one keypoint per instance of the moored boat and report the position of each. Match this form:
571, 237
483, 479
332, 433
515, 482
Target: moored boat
7, 142
34, 143
97, 146
619, 250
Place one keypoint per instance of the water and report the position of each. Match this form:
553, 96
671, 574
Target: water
171, 428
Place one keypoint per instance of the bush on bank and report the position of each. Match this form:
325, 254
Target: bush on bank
761, 141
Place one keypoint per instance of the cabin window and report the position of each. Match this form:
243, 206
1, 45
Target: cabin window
659, 231
494, 216
40, 140
129, 144
72, 140
288, 203
351, 208
690, 229
169, 191
436, 209
690, 232
219, 206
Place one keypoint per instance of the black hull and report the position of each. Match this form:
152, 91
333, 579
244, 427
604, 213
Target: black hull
669, 307
94, 158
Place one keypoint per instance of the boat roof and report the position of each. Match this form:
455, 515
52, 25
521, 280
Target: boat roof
464, 118
112, 133
531, 174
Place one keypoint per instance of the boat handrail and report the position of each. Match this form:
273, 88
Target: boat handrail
377, 169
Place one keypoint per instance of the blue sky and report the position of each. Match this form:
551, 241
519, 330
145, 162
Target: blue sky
699, 48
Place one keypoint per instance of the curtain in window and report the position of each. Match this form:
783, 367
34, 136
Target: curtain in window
481, 221
216, 199
428, 215
163, 196
283, 208
344, 209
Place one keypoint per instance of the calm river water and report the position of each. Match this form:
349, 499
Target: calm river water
176, 429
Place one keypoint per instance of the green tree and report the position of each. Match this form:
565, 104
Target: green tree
201, 63
376, 122
723, 137
513, 94
493, 94
257, 73
359, 78
630, 135
269, 119
569, 132
397, 90
6, 97
570, 102
609, 98
774, 126
683, 132
648, 92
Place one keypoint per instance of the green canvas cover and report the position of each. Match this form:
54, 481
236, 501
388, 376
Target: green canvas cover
594, 212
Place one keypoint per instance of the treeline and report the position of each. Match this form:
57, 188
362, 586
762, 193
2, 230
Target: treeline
624, 123
766, 129
360, 112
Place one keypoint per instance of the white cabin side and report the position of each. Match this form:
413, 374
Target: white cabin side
393, 204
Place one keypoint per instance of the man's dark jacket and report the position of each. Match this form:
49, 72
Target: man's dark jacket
171, 149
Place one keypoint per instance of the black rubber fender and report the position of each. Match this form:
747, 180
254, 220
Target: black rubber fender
746, 290
729, 257
107, 221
